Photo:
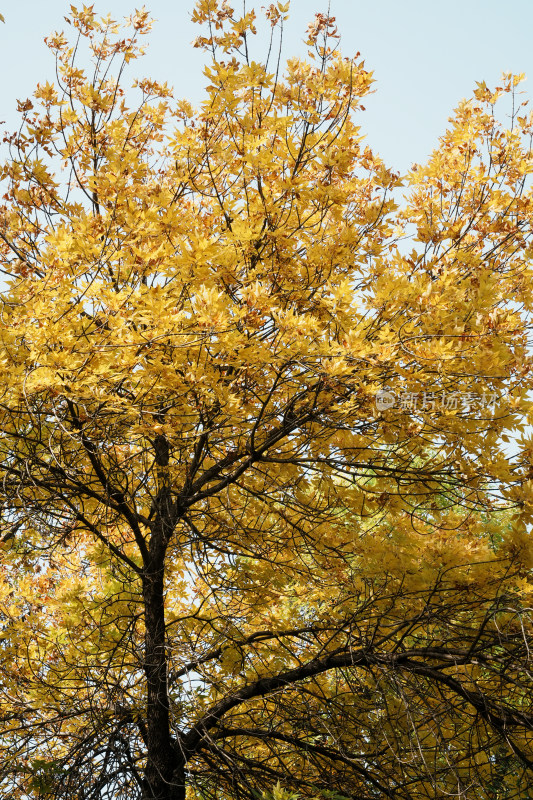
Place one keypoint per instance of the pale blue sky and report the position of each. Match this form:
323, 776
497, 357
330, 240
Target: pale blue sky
425, 55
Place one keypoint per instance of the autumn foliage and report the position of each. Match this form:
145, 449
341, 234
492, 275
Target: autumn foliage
265, 473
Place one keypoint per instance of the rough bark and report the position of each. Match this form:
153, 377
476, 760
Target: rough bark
164, 774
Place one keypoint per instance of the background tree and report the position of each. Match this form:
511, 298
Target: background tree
229, 563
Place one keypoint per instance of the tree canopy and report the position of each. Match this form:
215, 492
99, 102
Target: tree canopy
265, 479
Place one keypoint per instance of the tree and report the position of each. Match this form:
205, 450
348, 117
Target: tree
262, 532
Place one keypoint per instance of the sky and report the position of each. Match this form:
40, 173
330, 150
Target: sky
426, 56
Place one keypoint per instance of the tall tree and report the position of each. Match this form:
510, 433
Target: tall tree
262, 532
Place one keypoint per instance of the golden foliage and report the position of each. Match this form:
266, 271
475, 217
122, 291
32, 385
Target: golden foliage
266, 483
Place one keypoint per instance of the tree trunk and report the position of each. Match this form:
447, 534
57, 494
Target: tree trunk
164, 773
162, 758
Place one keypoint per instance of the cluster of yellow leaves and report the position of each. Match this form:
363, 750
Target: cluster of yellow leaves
235, 280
